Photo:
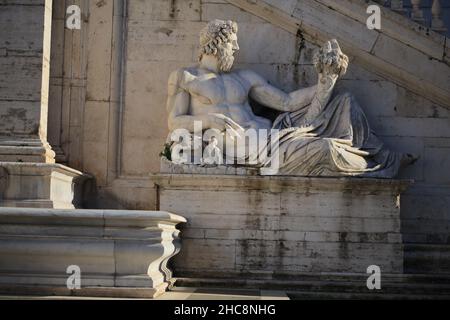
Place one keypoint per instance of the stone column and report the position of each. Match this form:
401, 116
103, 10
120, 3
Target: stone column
29, 176
25, 36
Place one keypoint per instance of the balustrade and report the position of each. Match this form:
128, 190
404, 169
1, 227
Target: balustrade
416, 11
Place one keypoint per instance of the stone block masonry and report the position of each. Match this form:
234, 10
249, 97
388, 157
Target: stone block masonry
41, 185
107, 114
25, 33
278, 227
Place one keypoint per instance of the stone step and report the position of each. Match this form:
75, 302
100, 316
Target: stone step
308, 295
312, 276
407, 288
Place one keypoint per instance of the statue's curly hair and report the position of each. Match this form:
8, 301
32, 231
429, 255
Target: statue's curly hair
215, 33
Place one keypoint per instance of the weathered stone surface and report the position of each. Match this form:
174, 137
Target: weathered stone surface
119, 253
281, 225
165, 10
317, 20
137, 126
170, 167
25, 35
39, 185
149, 61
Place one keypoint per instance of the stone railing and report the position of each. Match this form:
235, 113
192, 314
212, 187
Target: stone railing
118, 253
426, 12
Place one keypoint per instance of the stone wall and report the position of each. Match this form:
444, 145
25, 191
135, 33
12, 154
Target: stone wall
275, 228
116, 131
21, 51
84, 93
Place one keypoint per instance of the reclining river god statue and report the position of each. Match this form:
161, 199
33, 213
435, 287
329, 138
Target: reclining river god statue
318, 131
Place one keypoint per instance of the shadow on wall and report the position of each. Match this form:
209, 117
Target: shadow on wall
425, 228
3, 181
117, 197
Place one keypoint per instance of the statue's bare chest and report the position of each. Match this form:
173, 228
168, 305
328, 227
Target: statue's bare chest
217, 89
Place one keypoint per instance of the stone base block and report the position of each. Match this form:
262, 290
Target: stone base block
338, 286
169, 167
280, 227
40, 185
25, 150
118, 253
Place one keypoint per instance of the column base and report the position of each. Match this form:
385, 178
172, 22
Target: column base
25, 150
40, 185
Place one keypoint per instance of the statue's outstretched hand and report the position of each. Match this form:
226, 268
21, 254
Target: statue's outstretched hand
330, 60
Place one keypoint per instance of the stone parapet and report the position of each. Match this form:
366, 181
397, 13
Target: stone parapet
119, 253
279, 227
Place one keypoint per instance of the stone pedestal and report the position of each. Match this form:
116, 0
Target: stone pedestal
119, 253
272, 228
40, 185
25, 37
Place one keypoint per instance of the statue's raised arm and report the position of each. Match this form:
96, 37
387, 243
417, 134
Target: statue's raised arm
274, 98
330, 63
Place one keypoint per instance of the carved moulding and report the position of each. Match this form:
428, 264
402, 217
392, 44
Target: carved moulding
119, 253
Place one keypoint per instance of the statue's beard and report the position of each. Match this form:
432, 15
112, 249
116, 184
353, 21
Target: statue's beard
225, 60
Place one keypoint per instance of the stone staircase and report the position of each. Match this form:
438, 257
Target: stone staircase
393, 52
429, 13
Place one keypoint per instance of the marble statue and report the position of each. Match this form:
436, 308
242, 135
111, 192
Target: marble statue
318, 132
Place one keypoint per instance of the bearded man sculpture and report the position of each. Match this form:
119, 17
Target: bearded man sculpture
318, 132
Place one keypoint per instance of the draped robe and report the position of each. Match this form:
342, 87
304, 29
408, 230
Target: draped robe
338, 141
